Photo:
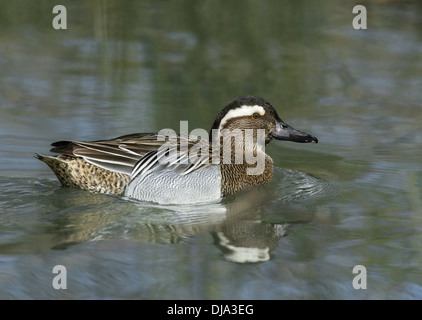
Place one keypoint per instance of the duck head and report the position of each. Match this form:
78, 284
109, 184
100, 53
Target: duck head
251, 112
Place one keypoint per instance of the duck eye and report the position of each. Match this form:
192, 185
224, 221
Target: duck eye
256, 115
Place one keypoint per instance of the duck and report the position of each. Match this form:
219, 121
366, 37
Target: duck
180, 168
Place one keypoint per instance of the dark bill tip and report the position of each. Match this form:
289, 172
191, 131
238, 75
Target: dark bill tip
285, 132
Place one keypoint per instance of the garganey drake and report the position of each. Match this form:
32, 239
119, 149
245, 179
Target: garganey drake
133, 165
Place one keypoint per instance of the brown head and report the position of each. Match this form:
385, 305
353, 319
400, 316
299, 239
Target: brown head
251, 112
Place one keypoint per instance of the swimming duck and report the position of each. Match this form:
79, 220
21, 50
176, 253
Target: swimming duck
132, 165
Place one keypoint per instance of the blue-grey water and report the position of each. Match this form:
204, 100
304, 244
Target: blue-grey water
355, 198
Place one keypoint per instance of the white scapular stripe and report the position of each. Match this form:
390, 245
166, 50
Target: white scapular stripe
242, 111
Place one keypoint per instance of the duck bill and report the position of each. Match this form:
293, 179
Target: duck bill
285, 132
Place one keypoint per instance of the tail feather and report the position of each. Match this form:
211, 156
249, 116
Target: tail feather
64, 147
77, 173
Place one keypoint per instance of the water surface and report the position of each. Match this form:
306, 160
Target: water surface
355, 198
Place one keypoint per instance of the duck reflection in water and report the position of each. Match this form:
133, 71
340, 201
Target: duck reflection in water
237, 226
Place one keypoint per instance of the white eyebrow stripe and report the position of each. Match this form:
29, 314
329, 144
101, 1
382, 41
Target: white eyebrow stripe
243, 111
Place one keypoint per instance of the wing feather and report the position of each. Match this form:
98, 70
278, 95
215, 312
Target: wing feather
136, 154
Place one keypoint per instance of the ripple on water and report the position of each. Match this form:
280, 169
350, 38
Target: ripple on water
85, 216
